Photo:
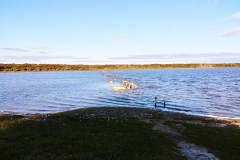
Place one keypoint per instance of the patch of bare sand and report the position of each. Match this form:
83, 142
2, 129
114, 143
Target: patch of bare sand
200, 120
190, 150
195, 152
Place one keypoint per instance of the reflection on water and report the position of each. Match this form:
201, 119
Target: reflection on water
213, 92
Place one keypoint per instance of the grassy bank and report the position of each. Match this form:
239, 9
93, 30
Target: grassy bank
108, 133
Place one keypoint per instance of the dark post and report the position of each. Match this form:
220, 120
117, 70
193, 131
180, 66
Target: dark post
155, 104
164, 101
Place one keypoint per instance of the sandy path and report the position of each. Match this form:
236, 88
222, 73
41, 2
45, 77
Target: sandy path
190, 150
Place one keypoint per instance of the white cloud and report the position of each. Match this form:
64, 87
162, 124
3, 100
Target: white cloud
235, 16
41, 59
42, 52
224, 57
230, 32
24, 49
18, 49
211, 57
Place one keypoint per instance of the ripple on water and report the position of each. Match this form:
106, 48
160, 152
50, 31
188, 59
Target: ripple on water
194, 91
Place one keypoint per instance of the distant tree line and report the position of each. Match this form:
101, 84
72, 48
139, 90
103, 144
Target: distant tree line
63, 67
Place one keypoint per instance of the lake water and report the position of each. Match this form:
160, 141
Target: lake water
208, 92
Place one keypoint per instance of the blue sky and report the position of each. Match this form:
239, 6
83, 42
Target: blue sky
119, 31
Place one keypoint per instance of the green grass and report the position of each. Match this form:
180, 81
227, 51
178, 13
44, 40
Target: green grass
68, 136
109, 133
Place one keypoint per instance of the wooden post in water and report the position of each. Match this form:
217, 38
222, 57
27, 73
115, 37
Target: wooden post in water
155, 103
164, 101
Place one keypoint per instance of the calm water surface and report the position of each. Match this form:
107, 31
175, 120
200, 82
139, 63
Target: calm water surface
212, 92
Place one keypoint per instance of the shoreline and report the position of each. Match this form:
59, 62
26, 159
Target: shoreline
2, 112
168, 114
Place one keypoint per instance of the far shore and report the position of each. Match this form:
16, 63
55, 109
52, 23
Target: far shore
64, 67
